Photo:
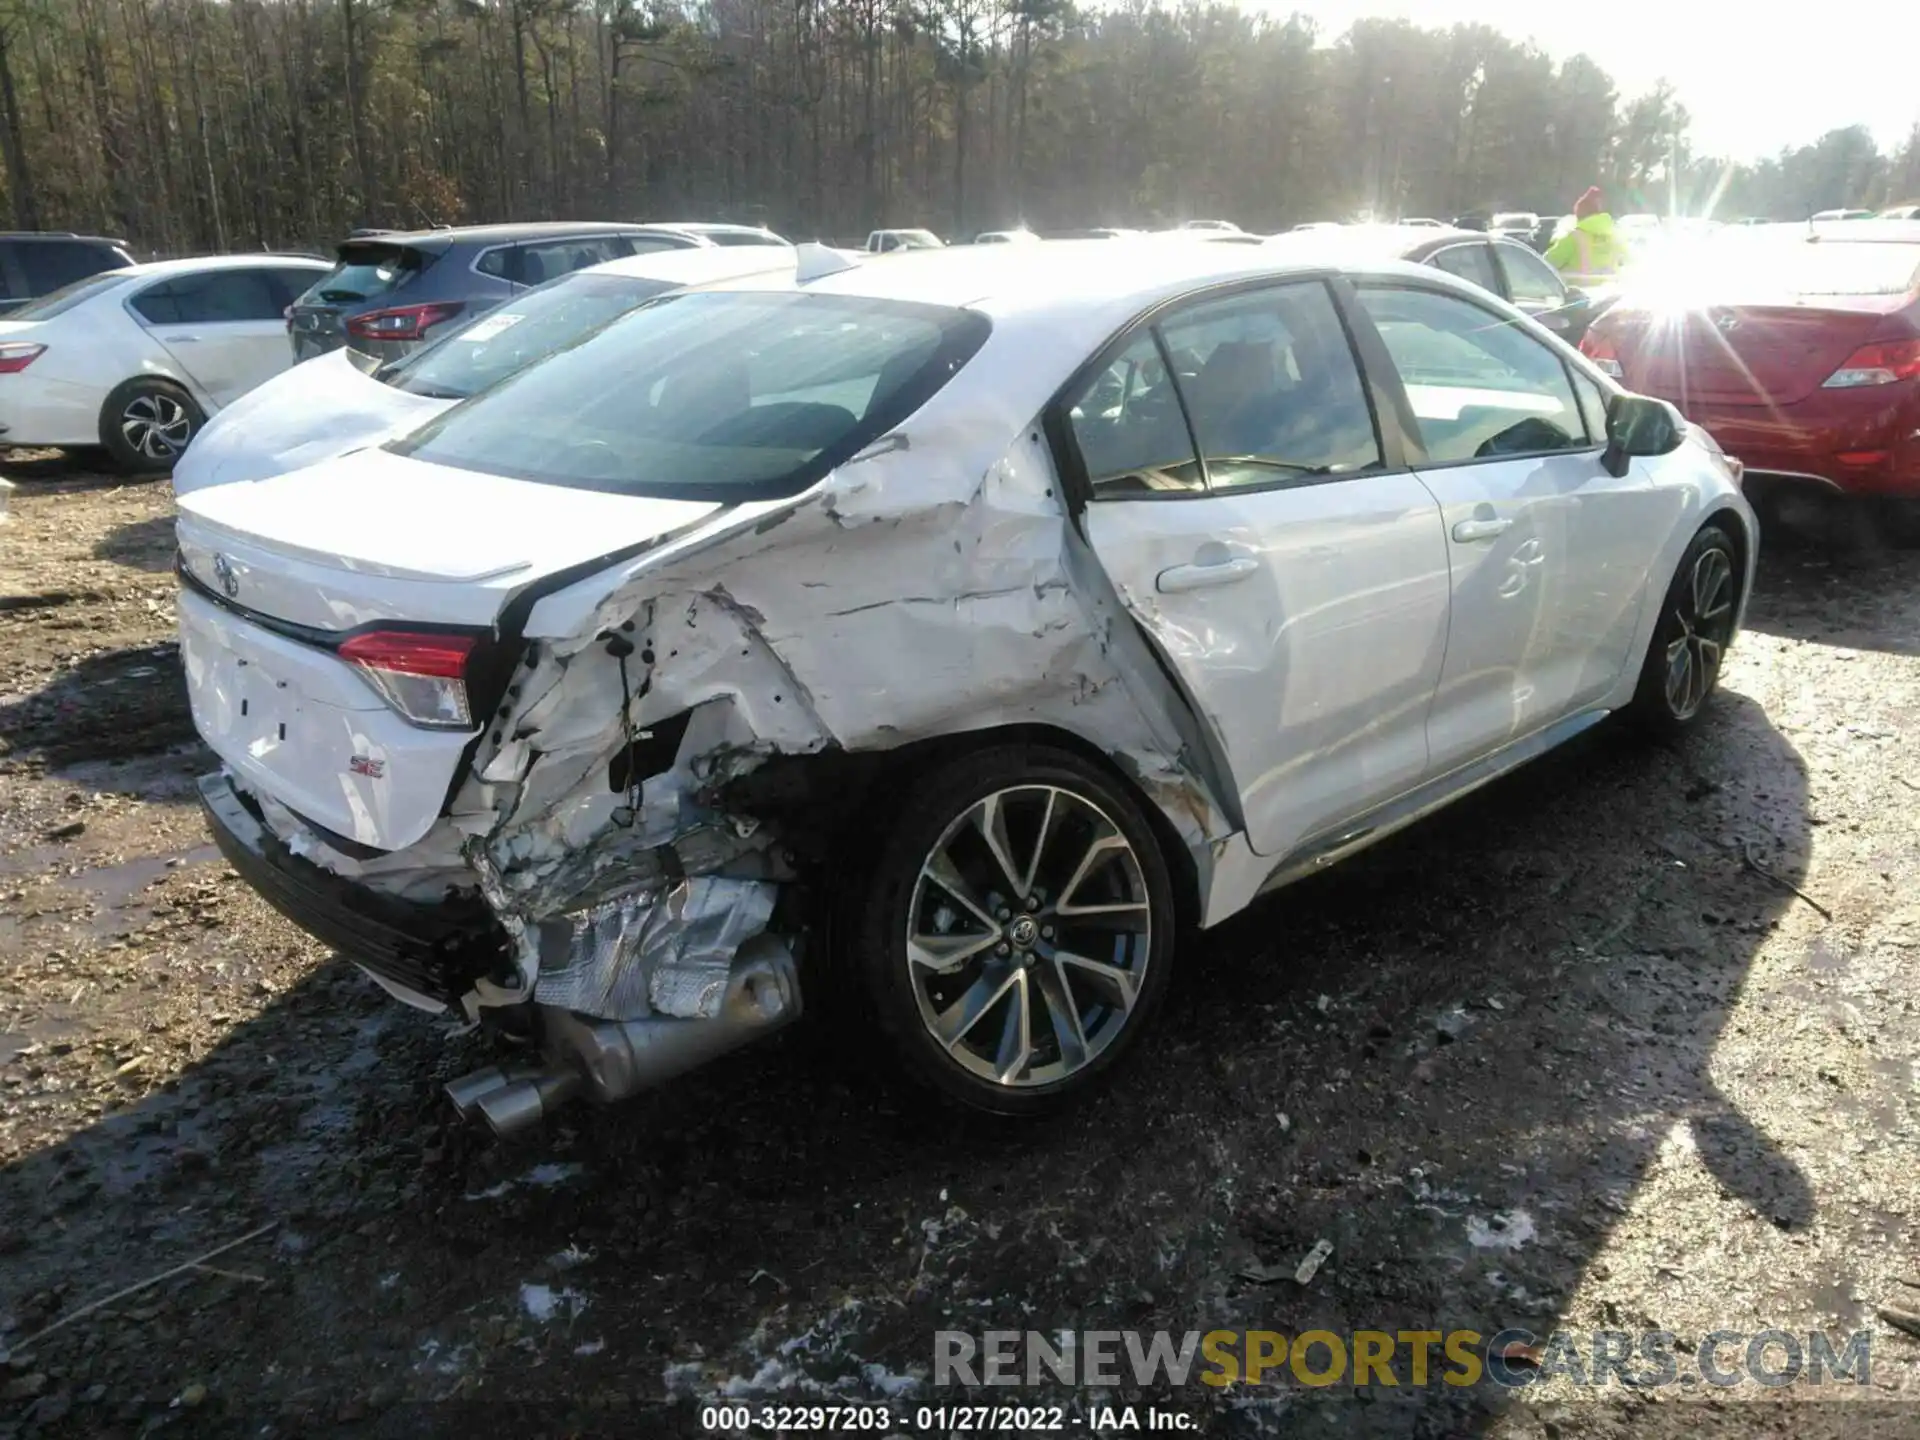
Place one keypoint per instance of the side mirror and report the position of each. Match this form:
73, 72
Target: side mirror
1577, 296
1640, 425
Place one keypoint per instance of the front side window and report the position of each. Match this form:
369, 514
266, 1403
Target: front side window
49, 264
1480, 388
724, 395
1272, 387
512, 336
1530, 280
213, 297
1128, 424
1470, 262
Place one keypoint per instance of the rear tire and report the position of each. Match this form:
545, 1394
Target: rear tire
1682, 666
1011, 974
147, 424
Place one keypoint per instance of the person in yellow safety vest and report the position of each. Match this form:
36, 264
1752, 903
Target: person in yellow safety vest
1592, 254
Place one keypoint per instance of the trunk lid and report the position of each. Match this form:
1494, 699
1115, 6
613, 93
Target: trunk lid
366, 271
371, 540
313, 412
1759, 355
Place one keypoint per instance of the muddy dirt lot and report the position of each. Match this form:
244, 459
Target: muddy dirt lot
1563, 1058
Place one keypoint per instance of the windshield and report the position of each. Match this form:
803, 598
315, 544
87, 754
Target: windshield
527, 328
725, 395
58, 302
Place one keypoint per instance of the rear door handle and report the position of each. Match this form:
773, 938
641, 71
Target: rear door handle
179, 339
1467, 531
1202, 577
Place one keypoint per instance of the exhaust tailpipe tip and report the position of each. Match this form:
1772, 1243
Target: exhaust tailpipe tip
520, 1104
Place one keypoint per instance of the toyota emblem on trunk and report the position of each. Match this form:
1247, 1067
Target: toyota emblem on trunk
223, 572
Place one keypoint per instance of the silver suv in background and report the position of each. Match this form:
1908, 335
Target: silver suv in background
391, 291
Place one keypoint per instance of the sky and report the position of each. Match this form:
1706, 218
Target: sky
1754, 78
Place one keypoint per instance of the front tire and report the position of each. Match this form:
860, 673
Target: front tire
1682, 668
147, 424
1015, 931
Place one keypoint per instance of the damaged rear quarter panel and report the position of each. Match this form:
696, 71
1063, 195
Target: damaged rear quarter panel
930, 586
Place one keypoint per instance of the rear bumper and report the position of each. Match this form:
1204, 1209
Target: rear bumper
39, 411
1860, 442
436, 951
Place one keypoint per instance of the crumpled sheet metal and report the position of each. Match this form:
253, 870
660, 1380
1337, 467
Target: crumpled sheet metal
666, 952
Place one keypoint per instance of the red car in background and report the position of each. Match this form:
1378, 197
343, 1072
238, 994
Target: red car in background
1799, 352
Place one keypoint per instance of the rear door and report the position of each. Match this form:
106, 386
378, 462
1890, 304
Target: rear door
223, 326
1549, 554
1295, 580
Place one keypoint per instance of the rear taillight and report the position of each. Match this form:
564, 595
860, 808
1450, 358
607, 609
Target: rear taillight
1601, 351
403, 322
16, 355
423, 676
1881, 364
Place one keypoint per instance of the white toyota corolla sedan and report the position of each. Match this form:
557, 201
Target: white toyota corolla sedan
941, 636
344, 400
135, 360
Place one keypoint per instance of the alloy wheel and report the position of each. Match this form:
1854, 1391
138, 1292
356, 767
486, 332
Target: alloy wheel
1703, 620
156, 426
1028, 935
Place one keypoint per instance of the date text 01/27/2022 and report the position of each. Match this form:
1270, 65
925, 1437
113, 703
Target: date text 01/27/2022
938, 1419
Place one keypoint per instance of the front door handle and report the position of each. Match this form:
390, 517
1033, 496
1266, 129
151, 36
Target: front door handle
180, 339
1467, 531
1201, 577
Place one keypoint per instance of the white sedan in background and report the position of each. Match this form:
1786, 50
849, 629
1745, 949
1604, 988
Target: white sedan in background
345, 400
983, 614
135, 360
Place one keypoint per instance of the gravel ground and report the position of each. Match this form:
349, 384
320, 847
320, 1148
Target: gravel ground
1572, 1055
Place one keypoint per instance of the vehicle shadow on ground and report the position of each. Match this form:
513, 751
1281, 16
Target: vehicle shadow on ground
1811, 588
117, 704
141, 545
57, 472
1454, 1058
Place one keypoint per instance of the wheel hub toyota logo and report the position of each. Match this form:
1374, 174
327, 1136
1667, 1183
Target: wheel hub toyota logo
1025, 932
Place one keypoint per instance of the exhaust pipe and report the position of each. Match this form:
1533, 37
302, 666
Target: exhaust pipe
614, 1059
518, 1104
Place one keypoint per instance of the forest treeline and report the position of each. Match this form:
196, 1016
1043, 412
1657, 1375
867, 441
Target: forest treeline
191, 125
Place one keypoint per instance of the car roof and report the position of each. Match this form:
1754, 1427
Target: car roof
499, 234
217, 262
702, 266
1098, 286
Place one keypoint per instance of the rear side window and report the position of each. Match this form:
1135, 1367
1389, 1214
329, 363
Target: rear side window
1470, 262
213, 297
1530, 280
367, 270
1272, 387
50, 264
727, 395
550, 259
527, 328
1128, 424
290, 283
1480, 388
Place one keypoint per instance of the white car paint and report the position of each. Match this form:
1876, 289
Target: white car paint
1346, 655
333, 403
102, 341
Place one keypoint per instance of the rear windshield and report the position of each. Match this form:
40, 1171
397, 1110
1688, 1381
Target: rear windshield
365, 271
527, 328
67, 296
721, 395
